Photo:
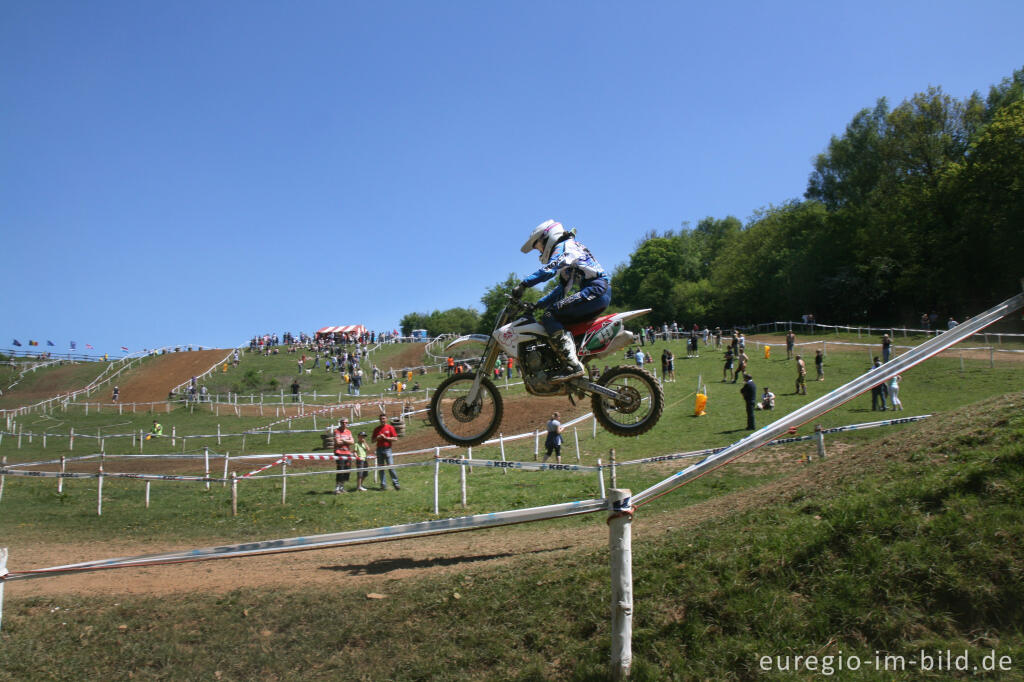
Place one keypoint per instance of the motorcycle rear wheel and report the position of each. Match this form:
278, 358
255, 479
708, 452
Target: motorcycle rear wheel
460, 423
640, 407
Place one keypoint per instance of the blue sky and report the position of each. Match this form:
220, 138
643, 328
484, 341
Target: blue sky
196, 173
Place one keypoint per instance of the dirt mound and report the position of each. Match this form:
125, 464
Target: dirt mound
52, 381
412, 356
158, 375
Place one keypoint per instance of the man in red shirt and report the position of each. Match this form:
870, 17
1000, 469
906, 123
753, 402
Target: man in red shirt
384, 435
343, 447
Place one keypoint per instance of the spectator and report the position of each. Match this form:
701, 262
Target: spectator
718, 337
801, 376
343, 442
359, 448
728, 364
749, 393
879, 392
741, 369
295, 390
951, 323
639, 357
357, 380
767, 400
894, 392
553, 442
790, 342
819, 364
384, 435
451, 365
886, 347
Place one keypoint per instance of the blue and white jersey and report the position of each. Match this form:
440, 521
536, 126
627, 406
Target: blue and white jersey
573, 263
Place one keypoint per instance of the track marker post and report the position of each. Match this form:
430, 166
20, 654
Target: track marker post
234, 494
819, 436
60, 480
99, 493
600, 476
284, 481
147, 494
501, 443
3, 570
462, 479
620, 551
3, 463
576, 437
206, 465
437, 476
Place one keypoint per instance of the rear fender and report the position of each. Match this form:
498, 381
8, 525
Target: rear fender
468, 338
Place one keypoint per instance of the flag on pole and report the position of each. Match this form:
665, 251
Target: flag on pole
16, 342
49, 343
124, 348
33, 343
73, 346
88, 346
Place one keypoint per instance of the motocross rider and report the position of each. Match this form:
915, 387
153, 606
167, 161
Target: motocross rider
575, 267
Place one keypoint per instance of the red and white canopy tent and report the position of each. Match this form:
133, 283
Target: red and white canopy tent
345, 329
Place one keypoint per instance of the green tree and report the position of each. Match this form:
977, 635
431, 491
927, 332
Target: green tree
495, 298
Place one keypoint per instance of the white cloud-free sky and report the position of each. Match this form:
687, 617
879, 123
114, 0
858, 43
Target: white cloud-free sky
198, 173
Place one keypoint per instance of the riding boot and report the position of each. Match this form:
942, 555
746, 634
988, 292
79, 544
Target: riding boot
566, 347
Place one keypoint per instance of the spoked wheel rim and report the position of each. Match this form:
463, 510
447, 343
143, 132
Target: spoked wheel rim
638, 406
463, 423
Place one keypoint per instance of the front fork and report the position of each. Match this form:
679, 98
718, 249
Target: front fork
487, 360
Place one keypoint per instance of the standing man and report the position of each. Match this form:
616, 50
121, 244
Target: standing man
554, 440
801, 376
343, 448
384, 435
879, 392
749, 393
790, 342
639, 357
886, 347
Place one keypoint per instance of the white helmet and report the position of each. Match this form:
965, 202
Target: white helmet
548, 233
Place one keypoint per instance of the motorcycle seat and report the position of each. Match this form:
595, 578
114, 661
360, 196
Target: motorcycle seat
580, 328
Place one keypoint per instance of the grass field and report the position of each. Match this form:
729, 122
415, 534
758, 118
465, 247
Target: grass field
901, 540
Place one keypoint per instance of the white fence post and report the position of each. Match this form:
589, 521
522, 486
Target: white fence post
284, 481
437, 476
600, 476
576, 436
620, 550
234, 494
60, 480
462, 477
206, 465
819, 436
147, 494
99, 494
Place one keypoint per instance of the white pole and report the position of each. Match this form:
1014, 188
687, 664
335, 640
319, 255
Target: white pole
576, 436
3, 463
147, 494
206, 463
620, 551
501, 443
234, 494
462, 479
99, 494
71, 443
174, 434
600, 476
284, 481
218, 434
60, 481
437, 477
819, 435
595, 426
536, 444
3, 571
227, 458
991, 358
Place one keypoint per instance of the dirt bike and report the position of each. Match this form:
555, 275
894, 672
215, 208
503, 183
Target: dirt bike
467, 408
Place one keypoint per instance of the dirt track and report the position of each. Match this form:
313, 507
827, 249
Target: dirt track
164, 372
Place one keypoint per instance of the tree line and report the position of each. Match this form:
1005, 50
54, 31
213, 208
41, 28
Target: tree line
913, 209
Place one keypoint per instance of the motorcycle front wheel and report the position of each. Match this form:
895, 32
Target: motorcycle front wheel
639, 406
458, 421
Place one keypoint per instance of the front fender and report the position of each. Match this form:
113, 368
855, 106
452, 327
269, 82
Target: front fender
462, 340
